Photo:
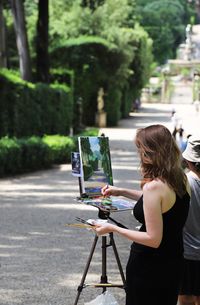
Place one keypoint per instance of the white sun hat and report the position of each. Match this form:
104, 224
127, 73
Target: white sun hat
192, 151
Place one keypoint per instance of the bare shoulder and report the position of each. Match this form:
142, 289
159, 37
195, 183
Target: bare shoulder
154, 185
152, 195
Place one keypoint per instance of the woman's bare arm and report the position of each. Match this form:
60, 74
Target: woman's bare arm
109, 190
153, 219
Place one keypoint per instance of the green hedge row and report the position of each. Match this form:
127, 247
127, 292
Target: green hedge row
18, 156
28, 109
122, 68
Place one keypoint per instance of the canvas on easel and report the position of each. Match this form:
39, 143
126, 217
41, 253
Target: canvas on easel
75, 161
96, 172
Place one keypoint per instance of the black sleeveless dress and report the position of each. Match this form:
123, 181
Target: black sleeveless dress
153, 275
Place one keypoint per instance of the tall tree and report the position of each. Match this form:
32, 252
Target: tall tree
42, 41
3, 60
164, 22
21, 38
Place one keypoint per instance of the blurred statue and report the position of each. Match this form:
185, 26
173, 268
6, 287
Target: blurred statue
188, 34
100, 101
100, 118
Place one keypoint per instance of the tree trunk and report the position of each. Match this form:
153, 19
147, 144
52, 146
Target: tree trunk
197, 6
21, 38
3, 59
43, 41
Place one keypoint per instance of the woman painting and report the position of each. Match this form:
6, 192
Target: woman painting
154, 266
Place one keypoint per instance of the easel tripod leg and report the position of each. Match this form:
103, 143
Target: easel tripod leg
104, 279
81, 286
117, 258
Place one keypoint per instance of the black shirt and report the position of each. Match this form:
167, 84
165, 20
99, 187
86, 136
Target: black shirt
173, 222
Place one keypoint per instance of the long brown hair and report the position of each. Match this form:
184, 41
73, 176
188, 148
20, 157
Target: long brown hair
160, 157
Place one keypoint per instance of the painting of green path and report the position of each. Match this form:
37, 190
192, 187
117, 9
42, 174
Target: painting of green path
95, 164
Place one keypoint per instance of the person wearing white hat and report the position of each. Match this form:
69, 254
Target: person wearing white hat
190, 285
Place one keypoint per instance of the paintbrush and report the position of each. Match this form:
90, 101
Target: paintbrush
78, 225
84, 221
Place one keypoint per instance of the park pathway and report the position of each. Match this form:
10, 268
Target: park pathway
41, 260
182, 103
182, 91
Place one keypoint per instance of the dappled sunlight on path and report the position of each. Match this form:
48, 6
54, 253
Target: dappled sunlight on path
42, 261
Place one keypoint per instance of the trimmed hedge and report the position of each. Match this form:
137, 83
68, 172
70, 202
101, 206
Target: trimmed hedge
61, 147
28, 109
18, 156
121, 68
10, 156
96, 63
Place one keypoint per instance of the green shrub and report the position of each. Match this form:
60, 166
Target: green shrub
10, 156
113, 106
61, 147
96, 63
90, 131
34, 153
118, 64
28, 109
19, 156
62, 76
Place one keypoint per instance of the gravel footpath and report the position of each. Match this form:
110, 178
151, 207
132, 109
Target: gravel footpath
42, 261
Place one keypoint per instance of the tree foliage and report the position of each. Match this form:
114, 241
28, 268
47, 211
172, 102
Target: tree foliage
165, 21
101, 43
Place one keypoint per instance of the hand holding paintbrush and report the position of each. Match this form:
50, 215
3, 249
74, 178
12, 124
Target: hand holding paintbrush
109, 190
